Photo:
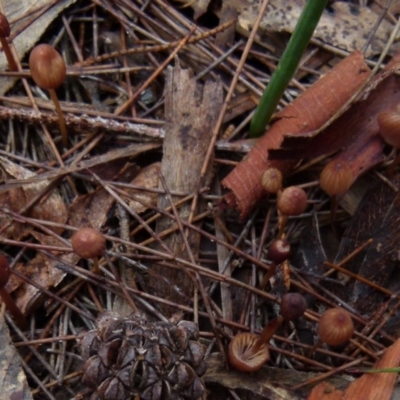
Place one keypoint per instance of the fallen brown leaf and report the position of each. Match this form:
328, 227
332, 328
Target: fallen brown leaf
51, 209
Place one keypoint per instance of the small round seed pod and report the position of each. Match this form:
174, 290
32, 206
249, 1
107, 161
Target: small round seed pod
292, 201
336, 177
335, 327
271, 180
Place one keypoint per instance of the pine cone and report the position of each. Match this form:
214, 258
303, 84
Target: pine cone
127, 358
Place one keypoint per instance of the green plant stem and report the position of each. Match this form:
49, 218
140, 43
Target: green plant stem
287, 65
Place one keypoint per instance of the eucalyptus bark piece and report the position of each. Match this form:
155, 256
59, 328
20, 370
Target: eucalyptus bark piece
191, 110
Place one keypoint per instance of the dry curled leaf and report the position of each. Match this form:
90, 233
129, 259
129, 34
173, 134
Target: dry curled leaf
51, 209
147, 178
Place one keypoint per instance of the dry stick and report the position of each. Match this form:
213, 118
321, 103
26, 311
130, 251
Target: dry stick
151, 78
43, 341
66, 378
54, 318
359, 278
156, 48
130, 211
159, 215
121, 284
376, 26
214, 50
52, 295
330, 373
198, 282
225, 105
358, 250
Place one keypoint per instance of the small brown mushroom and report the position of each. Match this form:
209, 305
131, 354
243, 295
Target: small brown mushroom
89, 244
248, 352
48, 70
335, 328
292, 201
271, 180
278, 252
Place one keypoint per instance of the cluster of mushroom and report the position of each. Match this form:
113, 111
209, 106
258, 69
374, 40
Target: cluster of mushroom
248, 352
47, 68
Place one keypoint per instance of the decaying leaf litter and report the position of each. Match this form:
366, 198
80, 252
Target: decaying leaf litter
150, 140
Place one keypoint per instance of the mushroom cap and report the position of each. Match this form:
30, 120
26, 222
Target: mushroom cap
4, 26
279, 251
88, 243
271, 180
292, 201
240, 355
335, 326
47, 67
389, 126
336, 177
4, 271
293, 306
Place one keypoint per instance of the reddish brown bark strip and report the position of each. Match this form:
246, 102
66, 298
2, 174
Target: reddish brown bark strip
374, 386
307, 113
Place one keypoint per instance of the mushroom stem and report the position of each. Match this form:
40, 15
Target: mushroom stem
13, 308
96, 268
334, 204
268, 275
267, 333
7, 51
61, 119
282, 225
314, 348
